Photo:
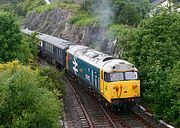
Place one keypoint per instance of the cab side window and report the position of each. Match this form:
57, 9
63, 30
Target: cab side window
106, 77
102, 75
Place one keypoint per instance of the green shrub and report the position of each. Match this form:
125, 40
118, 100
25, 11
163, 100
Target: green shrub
172, 94
23, 104
49, 7
124, 35
31, 5
82, 19
51, 79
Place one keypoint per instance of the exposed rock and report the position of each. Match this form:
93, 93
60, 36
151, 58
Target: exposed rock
57, 23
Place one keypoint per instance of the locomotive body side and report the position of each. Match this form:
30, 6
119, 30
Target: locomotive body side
85, 71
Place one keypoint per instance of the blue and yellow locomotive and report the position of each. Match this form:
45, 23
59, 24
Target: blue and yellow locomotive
115, 80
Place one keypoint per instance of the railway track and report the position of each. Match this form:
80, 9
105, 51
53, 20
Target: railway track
80, 113
92, 114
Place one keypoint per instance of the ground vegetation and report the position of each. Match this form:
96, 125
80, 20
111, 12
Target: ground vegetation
24, 102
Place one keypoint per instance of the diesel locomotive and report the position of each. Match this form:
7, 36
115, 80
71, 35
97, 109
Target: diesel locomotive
114, 80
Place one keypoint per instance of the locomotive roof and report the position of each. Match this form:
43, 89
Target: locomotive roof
100, 60
60, 43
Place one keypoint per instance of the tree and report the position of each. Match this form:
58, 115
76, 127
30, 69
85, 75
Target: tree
130, 12
124, 34
173, 95
13, 44
10, 37
155, 52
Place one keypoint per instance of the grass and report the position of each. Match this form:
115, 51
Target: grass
65, 6
83, 19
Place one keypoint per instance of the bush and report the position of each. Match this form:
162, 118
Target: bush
173, 95
51, 79
83, 19
23, 103
67, 6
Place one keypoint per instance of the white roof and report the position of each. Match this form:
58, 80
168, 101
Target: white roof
100, 60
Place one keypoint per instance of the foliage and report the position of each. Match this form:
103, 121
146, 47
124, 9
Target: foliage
64, 1
10, 37
6, 8
45, 8
66, 6
167, 105
9, 65
23, 103
130, 12
155, 51
87, 6
123, 34
83, 19
84, 15
28, 49
33, 4
51, 78
173, 96
13, 45
20, 7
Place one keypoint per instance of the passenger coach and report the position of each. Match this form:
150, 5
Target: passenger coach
52, 47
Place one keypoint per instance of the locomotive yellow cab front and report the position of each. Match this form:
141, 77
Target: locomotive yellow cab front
121, 86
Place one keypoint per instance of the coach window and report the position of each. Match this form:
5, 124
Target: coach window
51, 48
59, 54
46, 46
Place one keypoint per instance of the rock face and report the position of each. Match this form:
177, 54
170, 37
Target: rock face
57, 23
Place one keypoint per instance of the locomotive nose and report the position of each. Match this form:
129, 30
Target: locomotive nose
127, 89
117, 87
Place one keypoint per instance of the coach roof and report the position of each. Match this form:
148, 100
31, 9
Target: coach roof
60, 43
